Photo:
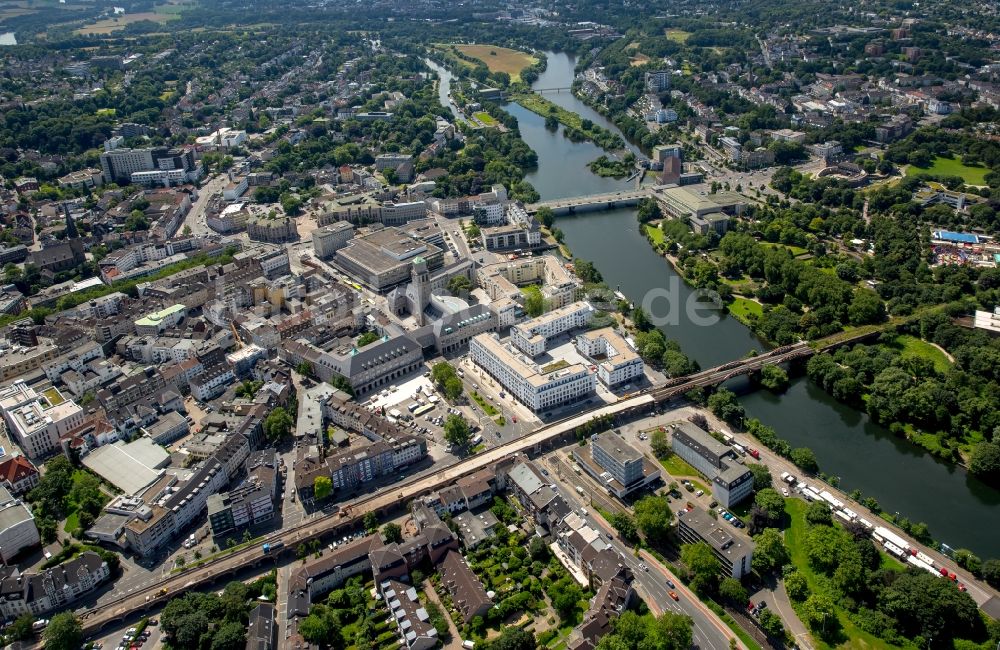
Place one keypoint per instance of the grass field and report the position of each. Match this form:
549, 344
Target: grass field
655, 233
485, 118
677, 467
678, 35
742, 308
795, 250
952, 167
109, 25
499, 59
911, 346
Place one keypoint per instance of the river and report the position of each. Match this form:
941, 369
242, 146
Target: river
901, 476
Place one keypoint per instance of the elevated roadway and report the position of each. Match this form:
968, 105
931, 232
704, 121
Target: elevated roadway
157, 593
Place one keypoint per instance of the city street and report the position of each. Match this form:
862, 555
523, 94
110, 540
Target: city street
196, 216
709, 631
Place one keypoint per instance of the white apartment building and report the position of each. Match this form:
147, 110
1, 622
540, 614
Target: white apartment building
17, 527
531, 336
537, 387
615, 359
36, 423
489, 213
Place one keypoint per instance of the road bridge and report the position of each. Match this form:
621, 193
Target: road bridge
591, 202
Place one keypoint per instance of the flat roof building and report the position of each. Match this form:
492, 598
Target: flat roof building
621, 468
537, 387
733, 549
731, 481
616, 361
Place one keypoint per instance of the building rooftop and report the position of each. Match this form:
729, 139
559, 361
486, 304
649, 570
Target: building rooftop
154, 319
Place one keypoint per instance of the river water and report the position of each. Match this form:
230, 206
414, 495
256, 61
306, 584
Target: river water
959, 510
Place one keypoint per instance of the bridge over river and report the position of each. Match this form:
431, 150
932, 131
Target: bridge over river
592, 202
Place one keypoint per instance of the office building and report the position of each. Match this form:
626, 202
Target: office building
37, 421
327, 240
621, 468
733, 549
531, 336
538, 387
731, 481
617, 363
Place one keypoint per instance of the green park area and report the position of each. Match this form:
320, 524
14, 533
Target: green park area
912, 347
972, 175
743, 308
678, 35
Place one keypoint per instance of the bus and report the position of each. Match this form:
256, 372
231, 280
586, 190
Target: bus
426, 408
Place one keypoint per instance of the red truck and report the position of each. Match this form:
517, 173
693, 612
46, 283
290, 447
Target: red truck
753, 452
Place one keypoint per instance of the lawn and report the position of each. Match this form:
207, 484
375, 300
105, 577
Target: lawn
678, 467
654, 233
795, 250
485, 118
72, 522
742, 309
952, 167
678, 35
499, 59
911, 346
109, 25
857, 639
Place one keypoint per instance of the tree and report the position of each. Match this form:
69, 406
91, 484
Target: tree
322, 487
21, 628
968, 560
818, 514
565, 595
626, 526
771, 624
761, 476
231, 635
534, 303
545, 216
703, 565
63, 632
732, 590
805, 459
512, 638
924, 604
278, 424
819, 614
538, 550
653, 516
866, 307
392, 533
797, 586
660, 445
985, 462
769, 552
322, 627
457, 431
453, 389
459, 285
723, 404
991, 572
773, 378
370, 522
771, 505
